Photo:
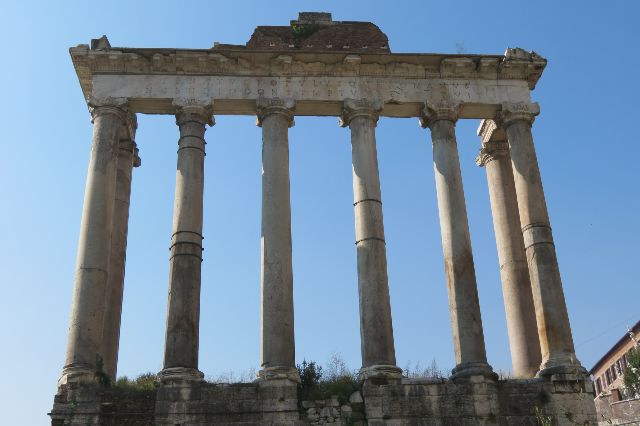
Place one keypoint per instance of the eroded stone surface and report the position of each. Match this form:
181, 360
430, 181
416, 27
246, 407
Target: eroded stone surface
407, 403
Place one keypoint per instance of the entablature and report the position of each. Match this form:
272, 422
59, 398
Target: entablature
319, 81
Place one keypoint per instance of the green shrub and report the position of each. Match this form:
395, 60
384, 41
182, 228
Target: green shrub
304, 30
147, 382
342, 387
340, 381
632, 372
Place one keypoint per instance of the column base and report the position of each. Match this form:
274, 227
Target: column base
565, 364
77, 373
380, 371
279, 373
177, 375
466, 370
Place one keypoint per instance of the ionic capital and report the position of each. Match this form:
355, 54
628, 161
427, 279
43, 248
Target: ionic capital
512, 111
192, 110
108, 105
441, 111
494, 142
353, 108
269, 106
492, 150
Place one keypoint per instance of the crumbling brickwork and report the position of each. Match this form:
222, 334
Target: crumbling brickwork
317, 32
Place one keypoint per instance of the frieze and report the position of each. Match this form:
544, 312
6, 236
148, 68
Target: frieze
403, 97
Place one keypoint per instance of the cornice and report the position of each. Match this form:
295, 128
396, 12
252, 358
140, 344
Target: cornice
515, 64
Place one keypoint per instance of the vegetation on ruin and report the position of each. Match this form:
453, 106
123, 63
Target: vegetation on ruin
542, 419
337, 379
632, 372
143, 384
334, 380
231, 377
416, 371
304, 30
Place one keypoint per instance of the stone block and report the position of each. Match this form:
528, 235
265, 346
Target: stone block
308, 404
345, 411
333, 401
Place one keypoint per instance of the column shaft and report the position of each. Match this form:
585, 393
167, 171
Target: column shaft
466, 321
278, 346
556, 341
514, 272
127, 159
376, 328
84, 360
183, 317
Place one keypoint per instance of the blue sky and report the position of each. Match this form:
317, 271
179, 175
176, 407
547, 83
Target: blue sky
586, 138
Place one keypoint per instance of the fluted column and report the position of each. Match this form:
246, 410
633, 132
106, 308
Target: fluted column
275, 116
183, 316
376, 329
556, 341
466, 322
514, 272
127, 159
84, 359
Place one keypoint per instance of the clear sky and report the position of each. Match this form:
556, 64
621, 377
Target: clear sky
586, 138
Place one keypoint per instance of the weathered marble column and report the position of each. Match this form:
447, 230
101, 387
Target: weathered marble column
84, 359
514, 272
466, 322
183, 317
275, 116
127, 159
376, 329
556, 341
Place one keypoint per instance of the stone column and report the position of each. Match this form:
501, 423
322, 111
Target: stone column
466, 322
376, 329
275, 116
84, 359
183, 316
127, 159
514, 272
556, 342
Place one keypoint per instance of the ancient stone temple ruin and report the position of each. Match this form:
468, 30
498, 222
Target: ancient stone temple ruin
319, 67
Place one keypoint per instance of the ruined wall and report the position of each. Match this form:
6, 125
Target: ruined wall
480, 402
563, 401
610, 412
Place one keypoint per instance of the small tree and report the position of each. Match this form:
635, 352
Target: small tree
338, 381
310, 375
337, 368
632, 372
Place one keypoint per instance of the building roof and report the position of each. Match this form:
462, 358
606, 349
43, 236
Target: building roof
624, 339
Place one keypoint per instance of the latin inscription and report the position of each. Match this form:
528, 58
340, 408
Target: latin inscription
310, 89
